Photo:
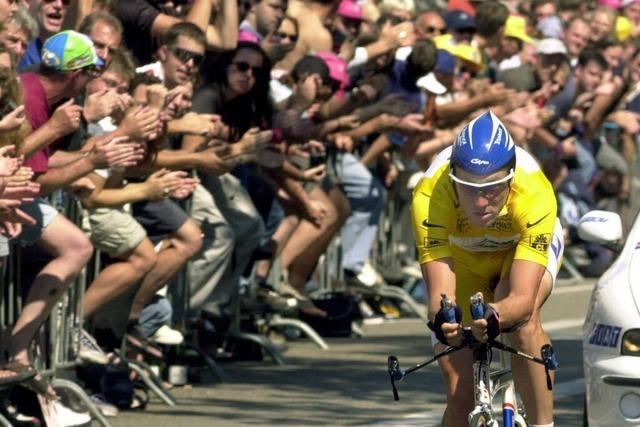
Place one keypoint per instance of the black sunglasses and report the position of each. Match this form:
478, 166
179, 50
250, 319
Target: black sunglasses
185, 55
431, 30
243, 67
282, 36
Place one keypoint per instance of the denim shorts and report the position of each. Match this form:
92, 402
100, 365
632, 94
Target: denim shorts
42, 211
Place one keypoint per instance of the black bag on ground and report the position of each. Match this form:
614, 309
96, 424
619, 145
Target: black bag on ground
341, 308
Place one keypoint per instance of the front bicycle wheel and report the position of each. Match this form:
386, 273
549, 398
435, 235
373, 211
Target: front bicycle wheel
501, 380
482, 420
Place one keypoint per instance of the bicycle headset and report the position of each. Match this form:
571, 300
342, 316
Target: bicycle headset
483, 147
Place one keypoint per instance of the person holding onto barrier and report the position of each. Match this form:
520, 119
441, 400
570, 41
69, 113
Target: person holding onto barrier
484, 219
69, 62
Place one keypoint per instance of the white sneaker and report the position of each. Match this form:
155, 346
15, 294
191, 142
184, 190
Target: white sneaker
90, 351
167, 336
68, 417
106, 408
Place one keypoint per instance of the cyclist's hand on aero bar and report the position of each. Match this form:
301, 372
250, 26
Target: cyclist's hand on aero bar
487, 328
446, 332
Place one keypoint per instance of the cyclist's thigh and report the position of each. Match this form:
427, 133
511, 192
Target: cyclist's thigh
476, 272
555, 252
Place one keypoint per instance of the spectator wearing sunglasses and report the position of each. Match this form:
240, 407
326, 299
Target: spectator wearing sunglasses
144, 24
283, 41
430, 24
180, 56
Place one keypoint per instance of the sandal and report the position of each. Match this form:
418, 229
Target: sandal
22, 373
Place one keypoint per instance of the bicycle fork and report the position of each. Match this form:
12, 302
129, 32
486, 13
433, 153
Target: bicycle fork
482, 415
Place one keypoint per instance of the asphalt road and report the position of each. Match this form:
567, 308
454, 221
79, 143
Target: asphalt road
347, 384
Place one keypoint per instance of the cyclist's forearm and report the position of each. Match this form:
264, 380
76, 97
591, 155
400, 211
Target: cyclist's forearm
440, 279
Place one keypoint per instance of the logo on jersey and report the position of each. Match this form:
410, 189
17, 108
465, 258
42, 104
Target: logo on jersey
427, 224
501, 224
531, 224
540, 242
432, 242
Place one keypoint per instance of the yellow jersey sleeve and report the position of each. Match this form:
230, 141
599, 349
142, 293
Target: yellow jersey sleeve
431, 216
535, 218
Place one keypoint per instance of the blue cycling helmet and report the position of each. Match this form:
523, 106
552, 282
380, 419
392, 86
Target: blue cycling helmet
484, 146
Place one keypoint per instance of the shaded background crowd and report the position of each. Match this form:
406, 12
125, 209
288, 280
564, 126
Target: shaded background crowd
236, 141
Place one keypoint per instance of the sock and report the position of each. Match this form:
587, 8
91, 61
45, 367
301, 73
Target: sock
541, 425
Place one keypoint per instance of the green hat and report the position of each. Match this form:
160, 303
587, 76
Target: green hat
69, 50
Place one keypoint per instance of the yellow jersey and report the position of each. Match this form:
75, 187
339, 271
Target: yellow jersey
525, 223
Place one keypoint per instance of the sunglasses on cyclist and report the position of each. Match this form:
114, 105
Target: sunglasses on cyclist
490, 190
292, 37
185, 55
243, 67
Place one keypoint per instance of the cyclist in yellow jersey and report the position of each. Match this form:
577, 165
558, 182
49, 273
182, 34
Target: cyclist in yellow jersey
484, 219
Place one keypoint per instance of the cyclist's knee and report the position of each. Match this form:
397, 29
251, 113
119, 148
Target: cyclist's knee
525, 330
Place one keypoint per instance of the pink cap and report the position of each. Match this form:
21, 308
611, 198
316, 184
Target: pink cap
614, 4
337, 68
350, 9
247, 36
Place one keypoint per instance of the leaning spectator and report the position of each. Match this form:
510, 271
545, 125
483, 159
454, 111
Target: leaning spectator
430, 24
68, 63
7, 9
602, 23
50, 16
542, 9
18, 32
576, 38
105, 31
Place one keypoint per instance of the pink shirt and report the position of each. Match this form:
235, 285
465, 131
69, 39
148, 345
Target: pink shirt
38, 113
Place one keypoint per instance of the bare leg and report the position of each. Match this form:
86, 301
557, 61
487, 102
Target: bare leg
186, 242
457, 371
119, 276
71, 250
530, 377
280, 238
306, 235
304, 264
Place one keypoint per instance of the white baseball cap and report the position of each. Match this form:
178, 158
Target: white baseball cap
551, 46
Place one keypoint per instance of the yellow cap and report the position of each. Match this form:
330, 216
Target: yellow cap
516, 27
445, 42
469, 54
624, 28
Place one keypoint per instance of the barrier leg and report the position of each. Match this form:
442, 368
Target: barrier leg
302, 326
263, 342
79, 393
212, 366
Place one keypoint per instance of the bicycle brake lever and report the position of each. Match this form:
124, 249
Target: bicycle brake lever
550, 362
395, 374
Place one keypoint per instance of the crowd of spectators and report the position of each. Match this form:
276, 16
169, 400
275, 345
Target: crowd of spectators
217, 136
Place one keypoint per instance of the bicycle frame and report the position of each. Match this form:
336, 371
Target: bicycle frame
482, 414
